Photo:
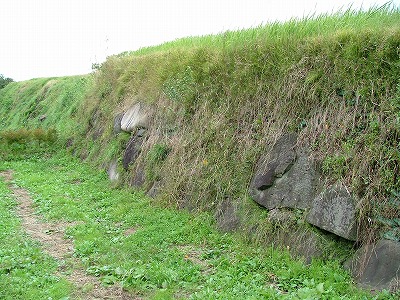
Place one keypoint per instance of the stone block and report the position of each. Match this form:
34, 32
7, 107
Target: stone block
285, 178
334, 210
377, 266
133, 149
112, 171
117, 123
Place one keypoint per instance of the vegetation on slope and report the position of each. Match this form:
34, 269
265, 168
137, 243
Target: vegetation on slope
120, 236
4, 81
220, 101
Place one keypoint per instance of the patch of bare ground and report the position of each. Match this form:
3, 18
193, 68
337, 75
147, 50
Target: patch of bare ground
195, 256
51, 237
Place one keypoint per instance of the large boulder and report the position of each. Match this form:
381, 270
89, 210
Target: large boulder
377, 267
135, 117
286, 177
334, 210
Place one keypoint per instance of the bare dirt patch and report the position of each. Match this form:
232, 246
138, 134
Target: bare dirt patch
130, 231
52, 238
195, 256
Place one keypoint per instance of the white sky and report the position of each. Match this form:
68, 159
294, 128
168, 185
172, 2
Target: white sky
45, 38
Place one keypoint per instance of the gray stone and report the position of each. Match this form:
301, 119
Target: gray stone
377, 267
287, 178
117, 123
135, 117
334, 210
112, 171
141, 132
132, 149
226, 215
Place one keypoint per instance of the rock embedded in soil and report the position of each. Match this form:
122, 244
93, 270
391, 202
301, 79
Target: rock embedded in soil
227, 216
377, 266
112, 171
285, 177
135, 117
334, 210
117, 123
133, 149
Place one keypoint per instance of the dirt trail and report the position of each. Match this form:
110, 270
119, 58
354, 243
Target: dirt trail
51, 237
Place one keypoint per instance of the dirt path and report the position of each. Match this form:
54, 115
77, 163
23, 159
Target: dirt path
51, 237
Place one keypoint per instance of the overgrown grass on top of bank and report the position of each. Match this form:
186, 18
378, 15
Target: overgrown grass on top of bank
159, 253
295, 29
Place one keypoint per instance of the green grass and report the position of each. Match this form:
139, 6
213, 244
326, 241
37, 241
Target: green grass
221, 101
58, 99
25, 272
309, 26
160, 253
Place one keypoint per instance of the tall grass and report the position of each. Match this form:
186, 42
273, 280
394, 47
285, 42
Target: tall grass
219, 101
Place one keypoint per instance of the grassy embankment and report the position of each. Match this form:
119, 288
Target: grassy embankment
220, 101
121, 237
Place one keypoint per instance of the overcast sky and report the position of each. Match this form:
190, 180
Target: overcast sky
45, 38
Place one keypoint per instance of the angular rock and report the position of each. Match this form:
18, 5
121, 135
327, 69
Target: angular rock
377, 267
135, 117
132, 149
112, 171
117, 123
287, 179
334, 210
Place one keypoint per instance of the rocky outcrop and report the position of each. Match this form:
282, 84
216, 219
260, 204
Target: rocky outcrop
135, 117
334, 210
133, 148
377, 266
286, 177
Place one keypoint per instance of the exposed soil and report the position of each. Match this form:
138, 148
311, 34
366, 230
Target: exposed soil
51, 237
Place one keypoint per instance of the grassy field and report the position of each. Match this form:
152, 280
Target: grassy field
153, 252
